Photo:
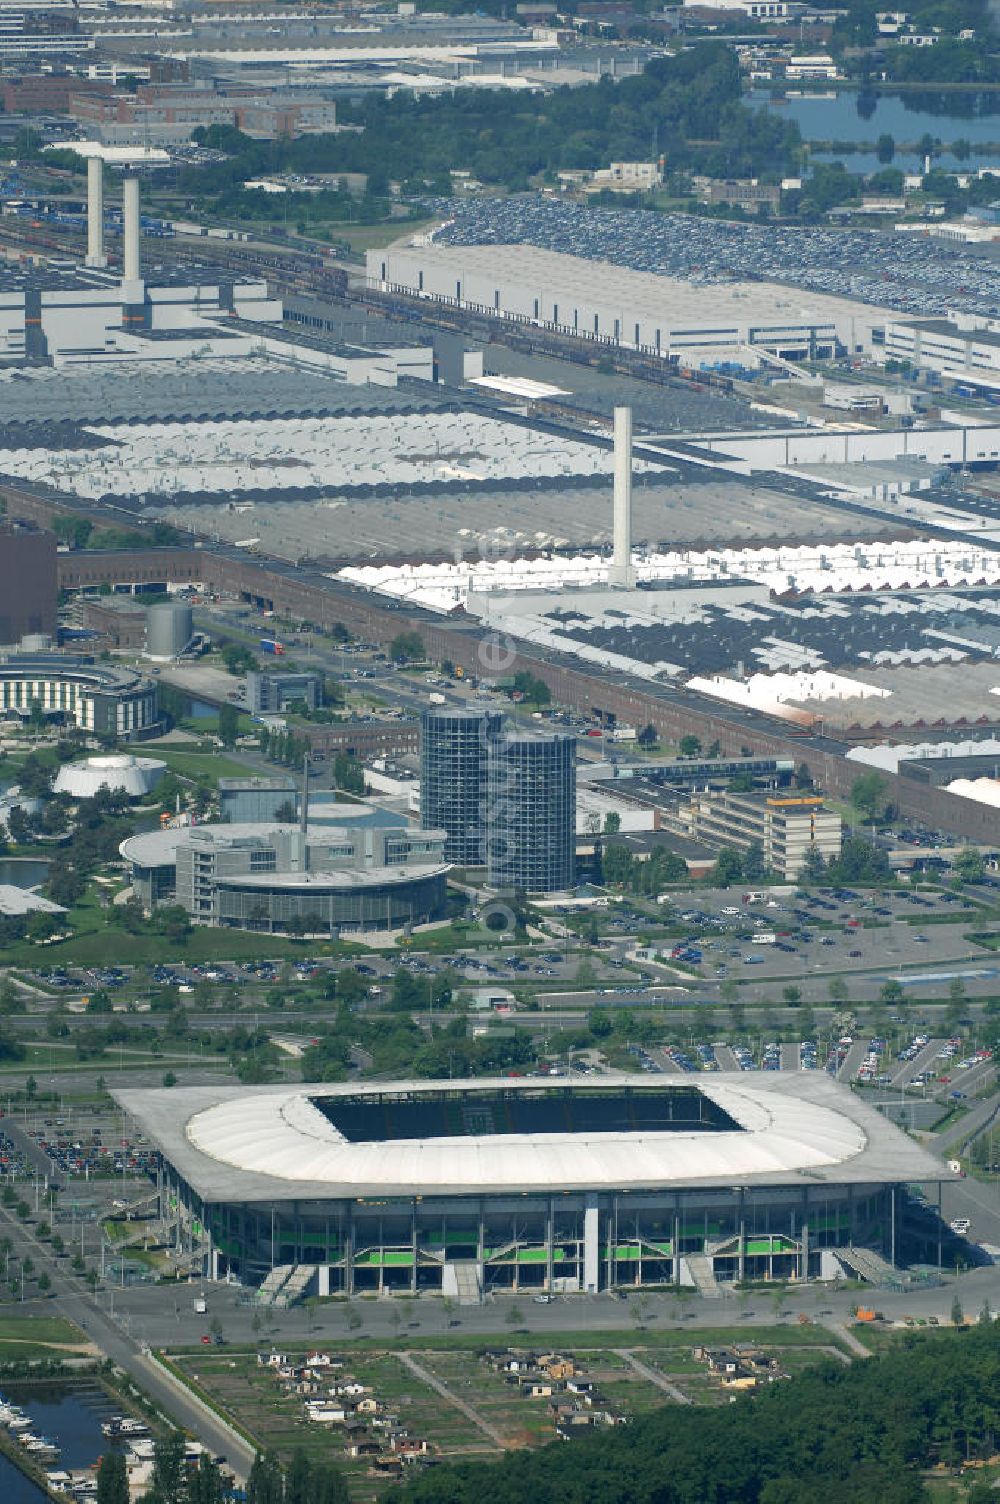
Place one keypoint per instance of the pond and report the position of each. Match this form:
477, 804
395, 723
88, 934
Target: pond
23, 871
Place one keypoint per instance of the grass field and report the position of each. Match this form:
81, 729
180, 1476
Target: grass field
363, 238
211, 765
53, 1331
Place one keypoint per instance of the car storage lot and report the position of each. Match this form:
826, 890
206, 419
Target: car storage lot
826, 932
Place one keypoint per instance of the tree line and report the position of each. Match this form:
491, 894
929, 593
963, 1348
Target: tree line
838, 1435
689, 102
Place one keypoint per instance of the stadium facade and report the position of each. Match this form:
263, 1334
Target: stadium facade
536, 1185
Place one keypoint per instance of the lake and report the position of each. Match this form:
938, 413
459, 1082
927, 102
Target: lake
23, 872
836, 117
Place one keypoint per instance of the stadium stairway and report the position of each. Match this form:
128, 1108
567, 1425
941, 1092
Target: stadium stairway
274, 1283
298, 1283
866, 1264
700, 1270
462, 1278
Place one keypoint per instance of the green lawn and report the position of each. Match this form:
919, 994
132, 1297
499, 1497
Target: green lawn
211, 765
34, 1329
373, 237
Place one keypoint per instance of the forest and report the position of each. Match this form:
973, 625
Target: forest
686, 108
836, 1435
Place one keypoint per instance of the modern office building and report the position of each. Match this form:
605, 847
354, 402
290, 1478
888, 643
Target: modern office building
531, 812
453, 772
250, 801
77, 691
462, 1188
785, 827
271, 694
279, 877
28, 588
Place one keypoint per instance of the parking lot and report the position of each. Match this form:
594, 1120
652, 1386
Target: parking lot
792, 939
906, 272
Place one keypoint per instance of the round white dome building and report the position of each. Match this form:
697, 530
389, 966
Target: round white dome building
120, 774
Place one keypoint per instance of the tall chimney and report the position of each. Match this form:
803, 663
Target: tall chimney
621, 571
130, 222
304, 812
95, 213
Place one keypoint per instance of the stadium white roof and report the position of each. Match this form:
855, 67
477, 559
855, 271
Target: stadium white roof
274, 1143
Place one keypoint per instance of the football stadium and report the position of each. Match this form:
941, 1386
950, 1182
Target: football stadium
529, 1184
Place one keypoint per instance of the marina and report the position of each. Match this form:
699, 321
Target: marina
57, 1434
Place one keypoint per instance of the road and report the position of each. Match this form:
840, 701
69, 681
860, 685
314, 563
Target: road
73, 1300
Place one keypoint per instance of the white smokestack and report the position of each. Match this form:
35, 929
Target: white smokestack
95, 213
621, 571
130, 230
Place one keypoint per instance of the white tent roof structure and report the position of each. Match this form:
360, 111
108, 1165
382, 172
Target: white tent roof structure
275, 1143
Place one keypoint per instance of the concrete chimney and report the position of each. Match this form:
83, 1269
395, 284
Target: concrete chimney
130, 229
621, 572
95, 213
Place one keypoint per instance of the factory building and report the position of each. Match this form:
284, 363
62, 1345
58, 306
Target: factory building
637, 310
114, 702
959, 349
28, 588
90, 314
530, 814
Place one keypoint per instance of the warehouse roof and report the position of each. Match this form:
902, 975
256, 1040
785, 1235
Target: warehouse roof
278, 1142
679, 304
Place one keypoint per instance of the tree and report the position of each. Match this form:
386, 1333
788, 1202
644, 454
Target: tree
514, 1316
728, 868
957, 1314
44, 1283
754, 865
229, 725
238, 658
612, 822
868, 793
792, 996
689, 746
112, 1479
204, 1485
407, 647
891, 992
648, 736
174, 922
167, 1484
837, 991
968, 865
265, 1484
